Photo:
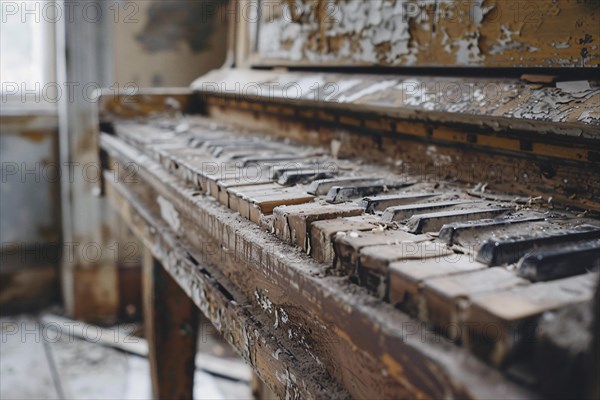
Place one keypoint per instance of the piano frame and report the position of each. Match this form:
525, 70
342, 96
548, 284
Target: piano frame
306, 335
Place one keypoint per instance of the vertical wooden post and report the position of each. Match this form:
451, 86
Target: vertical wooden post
171, 324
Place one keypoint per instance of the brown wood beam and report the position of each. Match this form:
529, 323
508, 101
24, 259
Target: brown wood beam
171, 324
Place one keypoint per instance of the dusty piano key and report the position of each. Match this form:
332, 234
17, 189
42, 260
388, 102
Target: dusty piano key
199, 140
323, 232
210, 171
187, 164
225, 184
229, 141
292, 223
289, 178
347, 246
341, 194
275, 171
453, 232
167, 154
230, 172
248, 150
446, 299
238, 192
374, 261
399, 213
433, 222
380, 203
213, 172
265, 203
549, 263
498, 251
322, 186
513, 314
309, 165
272, 159
407, 277
237, 155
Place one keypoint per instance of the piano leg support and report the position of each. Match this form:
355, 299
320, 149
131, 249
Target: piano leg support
171, 324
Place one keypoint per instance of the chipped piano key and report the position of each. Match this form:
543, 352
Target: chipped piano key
264, 203
289, 178
316, 165
237, 193
271, 159
433, 222
323, 232
500, 325
292, 223
407, 277
224, 185
498, 251
399, 213
322, 186
550, 263
341, 194
347, 246
373, 271
380, 203
445, 299
453, 232
221, 150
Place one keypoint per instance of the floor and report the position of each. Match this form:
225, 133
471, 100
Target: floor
43, 360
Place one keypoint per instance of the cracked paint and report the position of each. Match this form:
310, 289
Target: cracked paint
431, 32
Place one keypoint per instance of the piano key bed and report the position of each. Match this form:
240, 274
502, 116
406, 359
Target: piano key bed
337, 278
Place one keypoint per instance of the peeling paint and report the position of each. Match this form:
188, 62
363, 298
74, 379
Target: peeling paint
440, 32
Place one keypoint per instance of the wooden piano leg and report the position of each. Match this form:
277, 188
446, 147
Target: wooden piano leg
171, 325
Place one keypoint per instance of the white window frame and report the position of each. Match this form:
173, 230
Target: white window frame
44, 100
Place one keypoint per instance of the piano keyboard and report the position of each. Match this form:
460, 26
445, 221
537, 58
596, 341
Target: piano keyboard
480, 269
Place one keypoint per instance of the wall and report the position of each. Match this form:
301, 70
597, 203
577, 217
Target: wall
30, 228
168, 43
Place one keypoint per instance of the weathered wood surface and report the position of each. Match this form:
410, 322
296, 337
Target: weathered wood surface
321, 320
487, 33
503, 161
171, 324
239, 322
493, 103
143, 102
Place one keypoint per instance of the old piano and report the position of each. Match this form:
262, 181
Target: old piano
375, 199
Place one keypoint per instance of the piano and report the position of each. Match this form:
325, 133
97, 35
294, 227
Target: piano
375, 200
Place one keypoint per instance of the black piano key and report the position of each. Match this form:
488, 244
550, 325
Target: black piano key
508, 250
551, 263
433, 222
380, 203
307, 168
290, 178
399, 213
323, 186
340, 194
220, 151
450, 233
271, 159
